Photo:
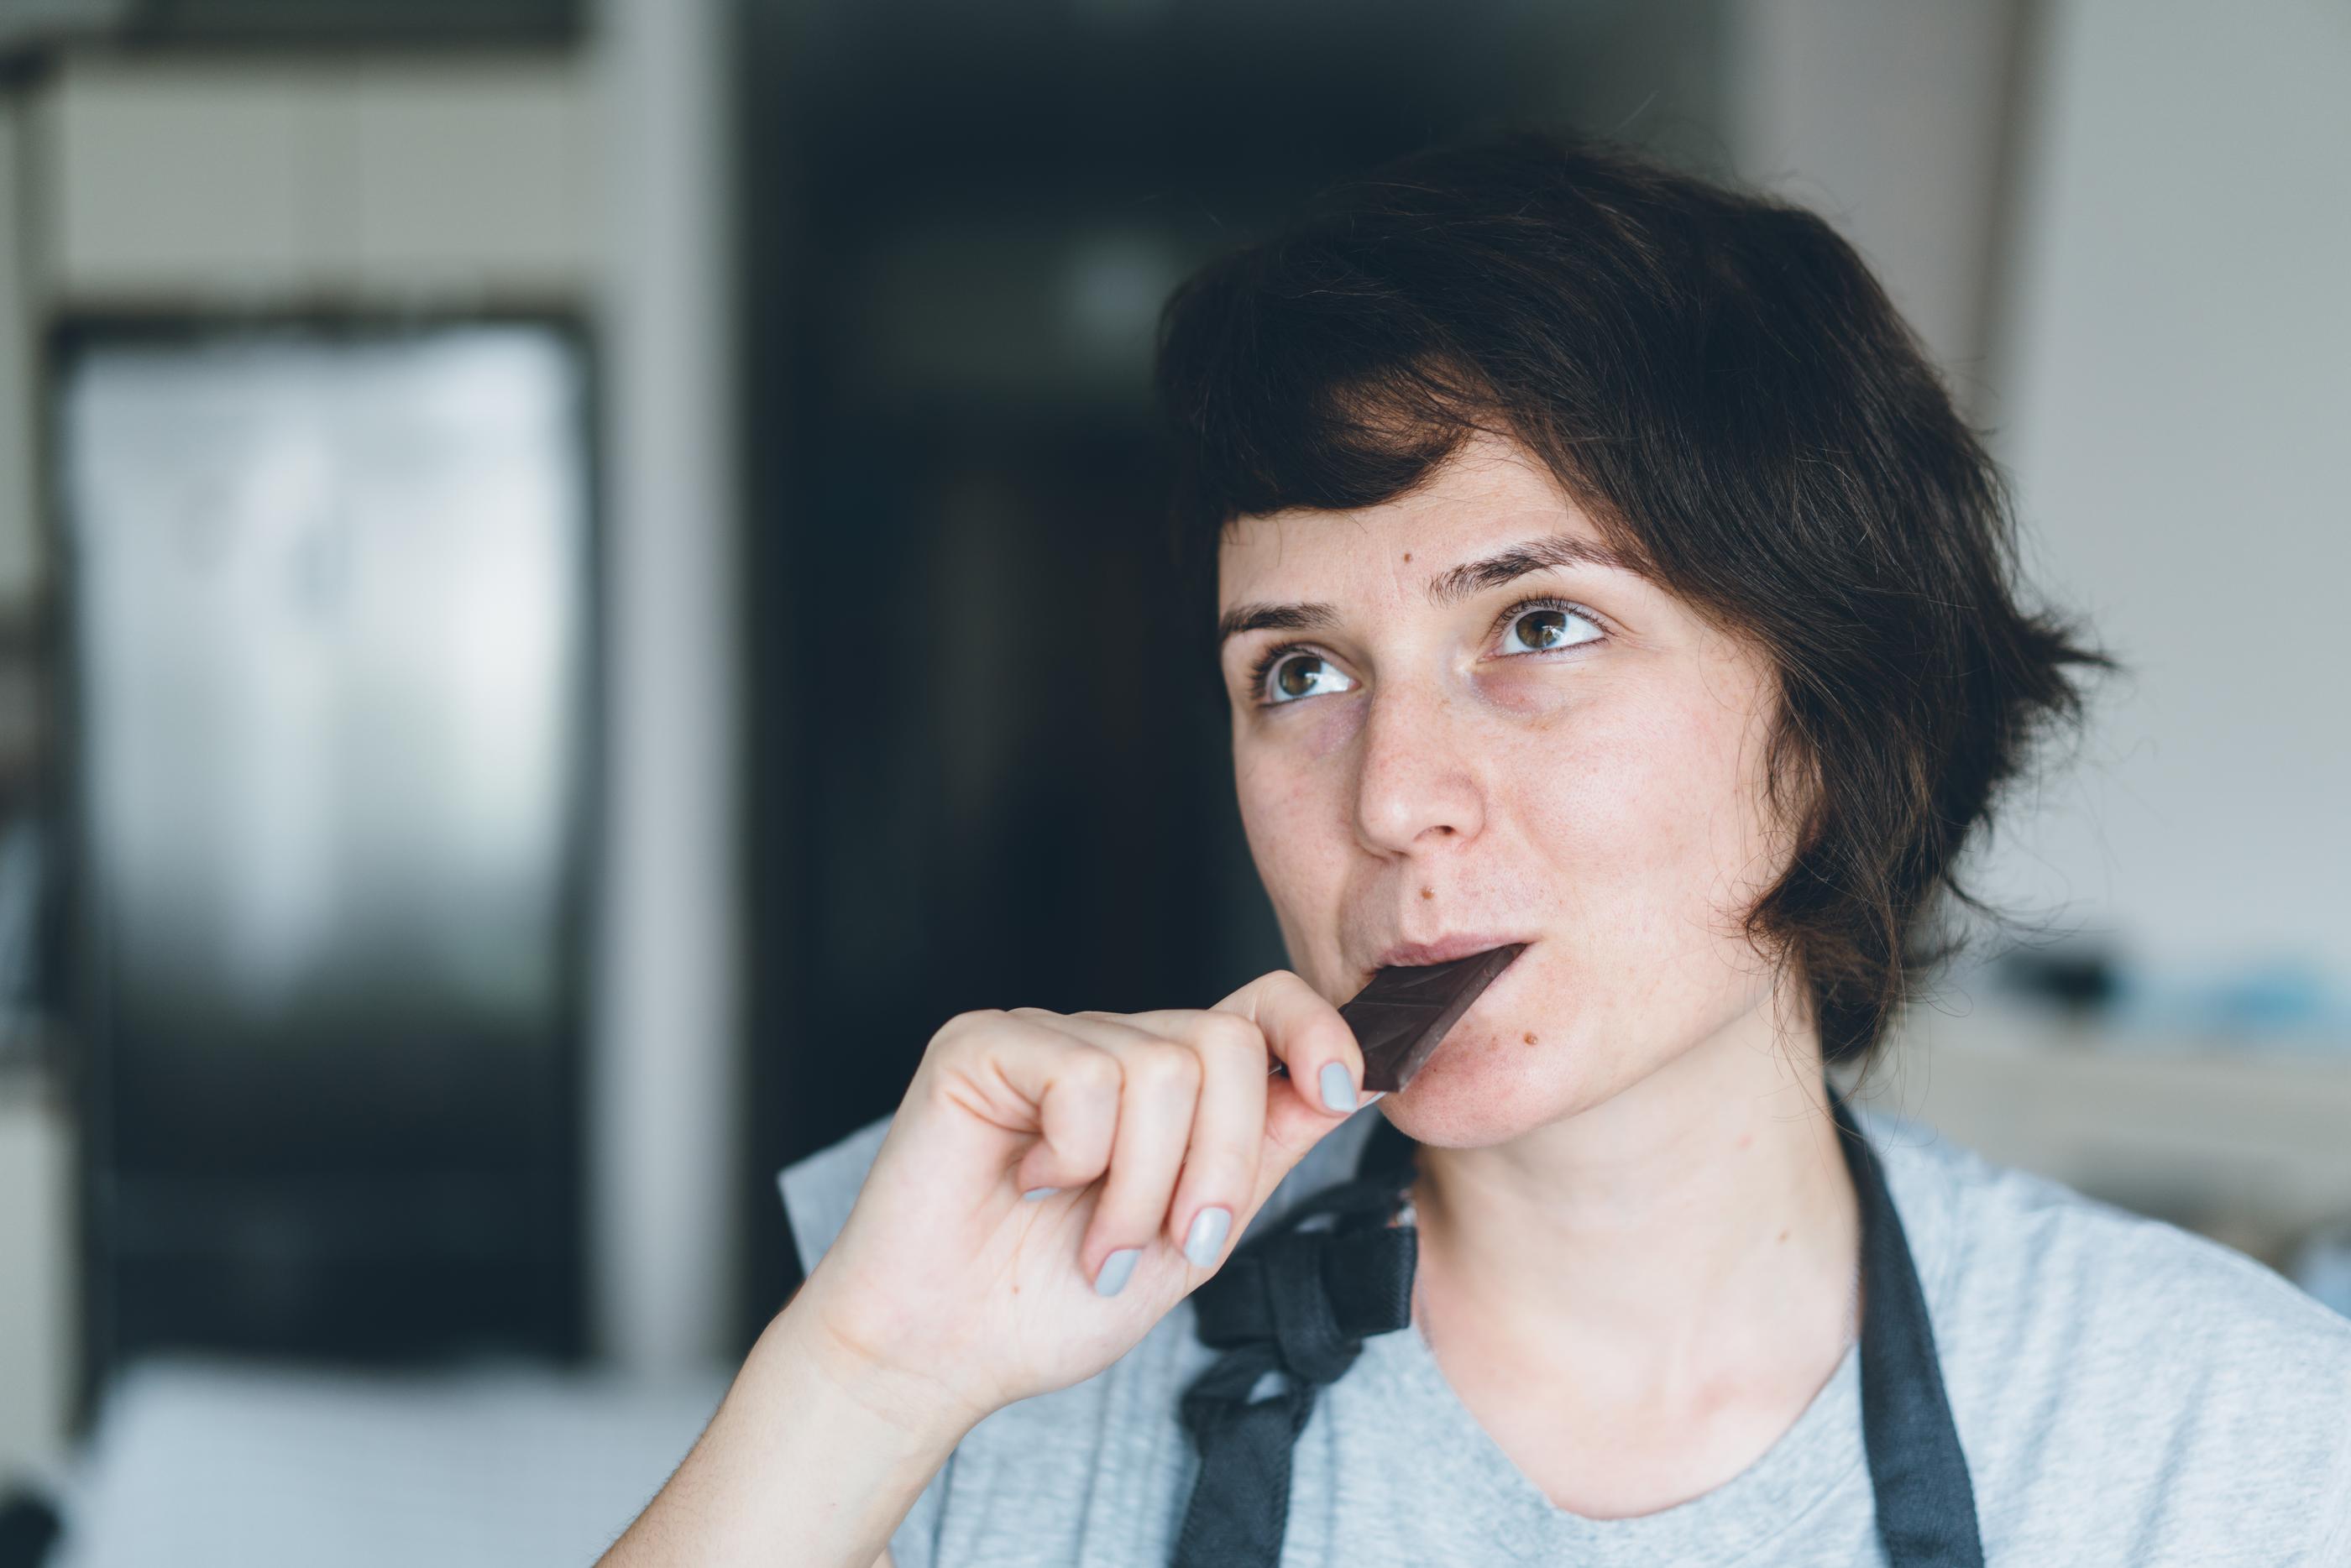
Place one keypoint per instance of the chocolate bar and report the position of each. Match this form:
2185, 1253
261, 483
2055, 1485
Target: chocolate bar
1403, 1016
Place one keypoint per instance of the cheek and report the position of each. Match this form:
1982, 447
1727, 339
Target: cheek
1287, 818
1625, 804
1642, 816
1633, 831
1289, 792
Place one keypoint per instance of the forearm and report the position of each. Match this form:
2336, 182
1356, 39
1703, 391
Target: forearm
809, 1459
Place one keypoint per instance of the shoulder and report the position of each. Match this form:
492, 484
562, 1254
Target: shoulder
2074, 1333
2004, 1233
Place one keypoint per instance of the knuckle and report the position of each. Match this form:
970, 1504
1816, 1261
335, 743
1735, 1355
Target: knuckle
1231, 1032
1289, 1145
1165, 1069
964, 1025
1095, 1071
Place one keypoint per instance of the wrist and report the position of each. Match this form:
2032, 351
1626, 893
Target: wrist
814, 1454
920, 1415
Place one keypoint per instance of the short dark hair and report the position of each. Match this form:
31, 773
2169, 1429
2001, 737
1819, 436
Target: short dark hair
1716, 377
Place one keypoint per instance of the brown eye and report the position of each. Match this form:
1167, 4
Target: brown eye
1543, 628
1546, 626
1303, 675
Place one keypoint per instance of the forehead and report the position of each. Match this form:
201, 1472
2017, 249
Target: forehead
1489, 496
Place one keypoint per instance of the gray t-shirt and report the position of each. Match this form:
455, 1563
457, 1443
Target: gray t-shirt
2127, 1393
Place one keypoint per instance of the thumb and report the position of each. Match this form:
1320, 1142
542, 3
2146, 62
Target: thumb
1305, 1033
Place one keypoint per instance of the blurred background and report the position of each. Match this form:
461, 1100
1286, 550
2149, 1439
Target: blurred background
575, 577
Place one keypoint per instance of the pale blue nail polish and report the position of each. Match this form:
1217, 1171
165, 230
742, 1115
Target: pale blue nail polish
1338, 1089
1207, 1238
1034, 1193
1114, 1270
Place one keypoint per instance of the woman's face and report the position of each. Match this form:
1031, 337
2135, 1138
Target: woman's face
1474, 731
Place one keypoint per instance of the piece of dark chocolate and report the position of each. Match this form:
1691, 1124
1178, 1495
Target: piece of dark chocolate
1402, 1016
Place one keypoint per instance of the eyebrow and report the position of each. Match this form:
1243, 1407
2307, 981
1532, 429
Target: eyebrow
1447, 588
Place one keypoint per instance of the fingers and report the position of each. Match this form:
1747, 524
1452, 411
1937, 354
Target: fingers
1325, 1068
1227, 1136
1173, 1112
1156, 1100
1023, 1077
1300, 1029
1190, 1121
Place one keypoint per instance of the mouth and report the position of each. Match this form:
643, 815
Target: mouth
1407, 1011
1403, 1009
1444, 949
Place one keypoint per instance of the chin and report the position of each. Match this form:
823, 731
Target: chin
1478, 1090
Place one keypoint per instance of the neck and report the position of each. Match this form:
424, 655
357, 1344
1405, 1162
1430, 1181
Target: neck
1700, 1220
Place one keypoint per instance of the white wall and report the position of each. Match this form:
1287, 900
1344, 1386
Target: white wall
1888, 117
667, 1122
2125, 233
36, 1344
2174, 370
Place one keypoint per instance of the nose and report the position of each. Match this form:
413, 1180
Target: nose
1414, 789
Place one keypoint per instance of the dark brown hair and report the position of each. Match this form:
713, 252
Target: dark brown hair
1720, 382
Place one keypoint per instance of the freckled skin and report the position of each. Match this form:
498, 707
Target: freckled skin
1603, 800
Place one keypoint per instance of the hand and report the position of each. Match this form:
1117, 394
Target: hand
951, 1288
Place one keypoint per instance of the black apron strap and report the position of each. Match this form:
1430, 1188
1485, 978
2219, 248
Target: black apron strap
1299, 1298
1298, 1301
1926, 1500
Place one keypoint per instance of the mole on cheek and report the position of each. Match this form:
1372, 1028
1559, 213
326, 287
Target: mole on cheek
1407, 555
1530, 1039
1428, 892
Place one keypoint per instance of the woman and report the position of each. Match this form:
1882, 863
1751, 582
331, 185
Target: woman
1599, 566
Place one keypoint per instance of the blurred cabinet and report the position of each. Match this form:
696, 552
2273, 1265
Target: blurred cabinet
237, 181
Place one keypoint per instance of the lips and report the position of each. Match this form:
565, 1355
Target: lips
1444, 949
1404, 1015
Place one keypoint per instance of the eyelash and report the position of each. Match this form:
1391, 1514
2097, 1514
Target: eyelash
1272, 656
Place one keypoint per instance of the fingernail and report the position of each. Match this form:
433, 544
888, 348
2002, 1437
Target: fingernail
1034, 1193
1207, 1238
1114, 1270
1338, 1092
